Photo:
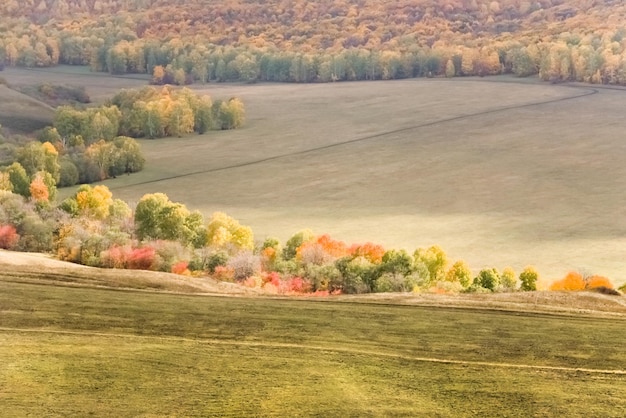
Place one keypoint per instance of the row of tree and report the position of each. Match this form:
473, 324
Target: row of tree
93, 228
272, 41
93, 144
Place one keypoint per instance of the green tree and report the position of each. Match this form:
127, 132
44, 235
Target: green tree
19, 179
203, 115
156, 217
70, 122
528, 279
459, 273
435, 260
397, 262
508, 280
292, 244
68, 173
488, 279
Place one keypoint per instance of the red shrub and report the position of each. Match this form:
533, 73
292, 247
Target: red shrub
142, 258
8, 237
116, 257
182, 267
224, 274
297, 285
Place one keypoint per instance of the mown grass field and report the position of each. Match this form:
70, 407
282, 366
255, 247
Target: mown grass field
78, 351
497, 171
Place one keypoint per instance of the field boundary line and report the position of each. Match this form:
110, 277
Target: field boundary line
261, 344
588, 91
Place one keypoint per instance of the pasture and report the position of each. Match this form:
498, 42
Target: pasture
497, 171
79, 349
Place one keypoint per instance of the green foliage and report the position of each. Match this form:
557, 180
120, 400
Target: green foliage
459, 273
488, 279
19, 179
292, 244
435, 260
154, 113
68, 173
228, 115
508, 281
156, 217
397, 262
521, 63
528, 279
358, 275
219, 258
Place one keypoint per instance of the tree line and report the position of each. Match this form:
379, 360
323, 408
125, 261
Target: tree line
85, 145
351, 40
94, 229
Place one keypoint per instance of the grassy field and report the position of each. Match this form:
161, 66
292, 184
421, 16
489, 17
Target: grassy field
21, 114
496, 171
79, 351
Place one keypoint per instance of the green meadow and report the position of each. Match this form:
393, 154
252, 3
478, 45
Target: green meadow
75, 351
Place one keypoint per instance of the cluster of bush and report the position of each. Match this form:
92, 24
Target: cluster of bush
62, 164
56, 95
94, 229
92, 144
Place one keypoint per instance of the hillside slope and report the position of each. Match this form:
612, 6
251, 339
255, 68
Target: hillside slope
331, 39
41, 269
20, 113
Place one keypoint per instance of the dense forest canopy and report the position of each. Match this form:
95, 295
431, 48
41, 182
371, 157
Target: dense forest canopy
327, 40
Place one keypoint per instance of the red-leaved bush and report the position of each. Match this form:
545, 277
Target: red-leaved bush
143, 258
224, 274
116, 257
8, 237
182, 267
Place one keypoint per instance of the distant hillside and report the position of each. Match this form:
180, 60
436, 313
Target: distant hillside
326, 40
20, 113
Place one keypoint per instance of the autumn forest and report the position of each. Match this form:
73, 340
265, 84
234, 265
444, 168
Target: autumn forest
183, 42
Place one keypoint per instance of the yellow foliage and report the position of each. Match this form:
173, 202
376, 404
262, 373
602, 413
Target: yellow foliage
95, 201
50, 149
224, 231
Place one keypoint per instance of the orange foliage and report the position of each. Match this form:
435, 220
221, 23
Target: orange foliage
39, 190
573, 281
372, 252
182, 267
269, 254
599, 281
333, 248
224, 274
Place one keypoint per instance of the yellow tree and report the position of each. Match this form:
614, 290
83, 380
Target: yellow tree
94, 202
227, 233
